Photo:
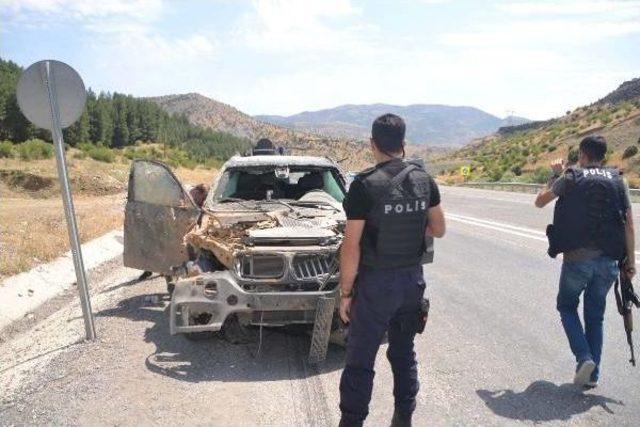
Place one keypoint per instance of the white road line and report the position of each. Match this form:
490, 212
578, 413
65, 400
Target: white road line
506, 228
498, 227
499, 224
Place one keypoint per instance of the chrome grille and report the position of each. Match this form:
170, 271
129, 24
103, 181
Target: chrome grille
261, 266
313, 267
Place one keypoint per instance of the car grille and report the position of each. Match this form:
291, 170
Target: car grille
313, 267
261, 266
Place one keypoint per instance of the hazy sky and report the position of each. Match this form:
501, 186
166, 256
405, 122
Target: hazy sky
537, 58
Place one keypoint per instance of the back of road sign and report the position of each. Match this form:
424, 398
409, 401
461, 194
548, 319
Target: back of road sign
34, 101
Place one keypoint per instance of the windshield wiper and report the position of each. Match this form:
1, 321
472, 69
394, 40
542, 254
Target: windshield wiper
241, 202
280, 202
314, 202
230, 199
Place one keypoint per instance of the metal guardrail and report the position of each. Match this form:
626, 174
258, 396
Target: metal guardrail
521, 187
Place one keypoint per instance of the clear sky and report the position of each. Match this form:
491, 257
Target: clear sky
537, 58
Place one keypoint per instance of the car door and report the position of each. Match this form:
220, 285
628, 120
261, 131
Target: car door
158, 213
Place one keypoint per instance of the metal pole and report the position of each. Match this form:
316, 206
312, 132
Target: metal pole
69, 211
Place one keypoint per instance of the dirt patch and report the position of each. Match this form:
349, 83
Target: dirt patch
18, 180
32, 223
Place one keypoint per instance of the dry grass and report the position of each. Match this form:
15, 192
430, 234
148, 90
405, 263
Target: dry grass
33, 229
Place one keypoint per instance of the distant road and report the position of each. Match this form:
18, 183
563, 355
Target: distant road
494, 352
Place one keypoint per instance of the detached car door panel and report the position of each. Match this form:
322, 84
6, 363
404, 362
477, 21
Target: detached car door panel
158, 214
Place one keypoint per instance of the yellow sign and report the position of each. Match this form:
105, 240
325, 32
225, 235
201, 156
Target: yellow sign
465, 171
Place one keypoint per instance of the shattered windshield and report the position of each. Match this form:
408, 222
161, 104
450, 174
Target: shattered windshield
275, 183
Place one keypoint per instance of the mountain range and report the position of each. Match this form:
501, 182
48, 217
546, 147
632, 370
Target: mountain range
434, 125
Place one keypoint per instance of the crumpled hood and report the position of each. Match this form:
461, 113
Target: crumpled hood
234, 227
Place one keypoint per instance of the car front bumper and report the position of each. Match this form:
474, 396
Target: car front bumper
212, 297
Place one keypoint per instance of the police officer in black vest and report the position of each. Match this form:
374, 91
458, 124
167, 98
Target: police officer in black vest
390, 208
593, 229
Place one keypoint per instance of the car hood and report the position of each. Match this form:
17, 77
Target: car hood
230, 228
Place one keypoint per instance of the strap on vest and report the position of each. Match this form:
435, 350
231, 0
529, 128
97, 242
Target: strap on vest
398, 179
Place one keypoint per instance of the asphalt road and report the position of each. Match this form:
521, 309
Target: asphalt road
494, 352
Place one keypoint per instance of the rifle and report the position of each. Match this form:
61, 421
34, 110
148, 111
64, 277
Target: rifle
626, 298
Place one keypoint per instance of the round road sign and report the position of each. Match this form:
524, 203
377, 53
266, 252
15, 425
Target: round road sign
68, 93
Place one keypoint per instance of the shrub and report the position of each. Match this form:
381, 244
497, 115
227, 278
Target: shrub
572, 157
517, 170
630, 151
85, 147
551, 148
508, 176
540, 175
494, 174
6, 149
102, 154
35, 149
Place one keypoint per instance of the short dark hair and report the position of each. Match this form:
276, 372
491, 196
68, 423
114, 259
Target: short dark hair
264, 144
594, 147
388, 133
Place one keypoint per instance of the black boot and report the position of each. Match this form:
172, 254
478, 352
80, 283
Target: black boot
400, 420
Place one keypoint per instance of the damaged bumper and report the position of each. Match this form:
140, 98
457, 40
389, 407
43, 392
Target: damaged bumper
203, 303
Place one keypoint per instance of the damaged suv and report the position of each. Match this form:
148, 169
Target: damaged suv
262, 250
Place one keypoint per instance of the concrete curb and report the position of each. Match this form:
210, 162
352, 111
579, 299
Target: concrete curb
25, 292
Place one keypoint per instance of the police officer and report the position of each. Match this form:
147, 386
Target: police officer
593, 229
390, 208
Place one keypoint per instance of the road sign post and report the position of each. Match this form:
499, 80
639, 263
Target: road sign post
52, 95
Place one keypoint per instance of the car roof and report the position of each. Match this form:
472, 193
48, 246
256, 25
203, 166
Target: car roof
278, 160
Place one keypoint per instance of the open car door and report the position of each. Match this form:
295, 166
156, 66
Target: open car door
159, 212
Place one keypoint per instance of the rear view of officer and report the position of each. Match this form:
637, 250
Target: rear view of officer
390, 208
593, 229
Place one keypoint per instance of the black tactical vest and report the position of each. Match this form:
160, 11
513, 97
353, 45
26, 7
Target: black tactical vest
395, 226
591, 213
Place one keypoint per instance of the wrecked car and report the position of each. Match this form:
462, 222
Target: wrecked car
262, 250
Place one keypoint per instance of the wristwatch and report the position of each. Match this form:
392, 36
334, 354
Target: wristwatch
344, 294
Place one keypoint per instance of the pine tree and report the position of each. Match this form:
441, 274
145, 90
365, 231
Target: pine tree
79, 132
120, 129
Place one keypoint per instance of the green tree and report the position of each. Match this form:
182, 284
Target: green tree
120, 128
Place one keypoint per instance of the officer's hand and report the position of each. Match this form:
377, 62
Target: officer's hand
630, 270
558, 166
345, 308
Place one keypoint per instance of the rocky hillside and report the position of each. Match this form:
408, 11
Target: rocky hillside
212, 114
206, 112
627, 91
434, 125
523, 153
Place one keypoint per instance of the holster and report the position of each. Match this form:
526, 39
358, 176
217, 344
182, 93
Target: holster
423, 315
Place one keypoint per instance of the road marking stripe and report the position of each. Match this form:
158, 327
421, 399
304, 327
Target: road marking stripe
499, 224
495, 227
505, 228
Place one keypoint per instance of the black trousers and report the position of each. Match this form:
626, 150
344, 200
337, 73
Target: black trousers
386, 300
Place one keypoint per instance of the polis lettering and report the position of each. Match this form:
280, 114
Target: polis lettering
597, 171
405, 207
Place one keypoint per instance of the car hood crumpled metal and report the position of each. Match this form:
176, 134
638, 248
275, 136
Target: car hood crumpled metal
233, 228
